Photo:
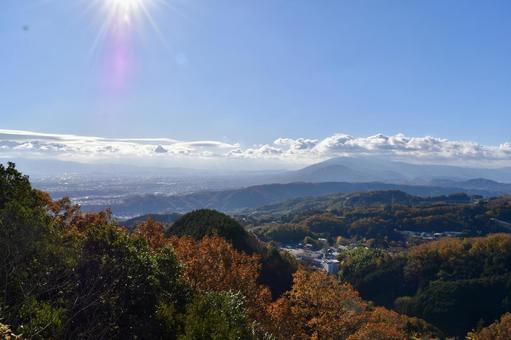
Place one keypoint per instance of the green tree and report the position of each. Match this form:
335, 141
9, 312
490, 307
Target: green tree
121, 284
36, 259
216, 316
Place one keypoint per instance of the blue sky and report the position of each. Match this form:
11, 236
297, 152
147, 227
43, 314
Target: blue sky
250, 72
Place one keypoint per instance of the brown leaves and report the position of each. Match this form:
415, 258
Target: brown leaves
7, 334
320, 307
69, 217
499, 330
153, 232
213, 264
317, 307
381, 324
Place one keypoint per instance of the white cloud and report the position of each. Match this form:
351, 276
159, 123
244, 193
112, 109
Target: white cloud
284, 151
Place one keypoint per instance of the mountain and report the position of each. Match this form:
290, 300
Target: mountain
255, 196
206, 222
367, 169
165, 219
276, 268
340, 201
475, 184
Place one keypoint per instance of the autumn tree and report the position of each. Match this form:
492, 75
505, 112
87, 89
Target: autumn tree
320, 306
499, 330
283, 323
381, 324
212, 264
153, 233
7, 334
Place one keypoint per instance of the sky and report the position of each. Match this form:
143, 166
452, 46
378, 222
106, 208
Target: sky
275, 79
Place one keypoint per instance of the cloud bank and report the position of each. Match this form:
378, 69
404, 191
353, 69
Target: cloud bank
283, 151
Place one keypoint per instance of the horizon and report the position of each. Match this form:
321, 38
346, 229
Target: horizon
281, 154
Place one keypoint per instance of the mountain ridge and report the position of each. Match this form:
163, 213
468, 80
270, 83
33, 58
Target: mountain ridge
366, 169
255, 196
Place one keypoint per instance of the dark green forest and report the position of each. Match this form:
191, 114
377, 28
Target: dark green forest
455, 284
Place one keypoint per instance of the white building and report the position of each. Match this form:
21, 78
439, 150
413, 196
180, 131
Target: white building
331, 266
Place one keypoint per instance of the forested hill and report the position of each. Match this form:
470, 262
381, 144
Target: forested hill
164, 219
359, 199
383, 217
67, 274
257, 196
456, 284
70, 275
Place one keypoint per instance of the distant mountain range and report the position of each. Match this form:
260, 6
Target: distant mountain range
474, 184
341, 169
369, 169
128, 193
260, 195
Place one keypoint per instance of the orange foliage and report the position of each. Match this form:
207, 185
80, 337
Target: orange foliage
381, 324
153, 233
69, 216
213, 264
499, 330
319, 306
450, 252
283, 323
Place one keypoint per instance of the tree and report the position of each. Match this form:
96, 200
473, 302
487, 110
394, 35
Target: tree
381, 324
499, 330
319, 306
206, 222
153, 233
6, 333
216, 316
36, 259
121, 284
212, 264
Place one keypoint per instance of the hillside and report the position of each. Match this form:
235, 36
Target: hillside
205, 222
452, 283
256, 196
276, 268
474, 184
68, 273
386, 218
164, 219
357, 199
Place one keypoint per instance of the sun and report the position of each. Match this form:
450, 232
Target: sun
124, 17
121, 24
126, 10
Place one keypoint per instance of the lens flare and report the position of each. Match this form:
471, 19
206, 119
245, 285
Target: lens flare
125, 9
117, 12
119, 21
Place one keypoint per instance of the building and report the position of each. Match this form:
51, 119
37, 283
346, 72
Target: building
331, 266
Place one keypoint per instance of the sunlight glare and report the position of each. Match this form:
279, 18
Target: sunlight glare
121, 23
125, 9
